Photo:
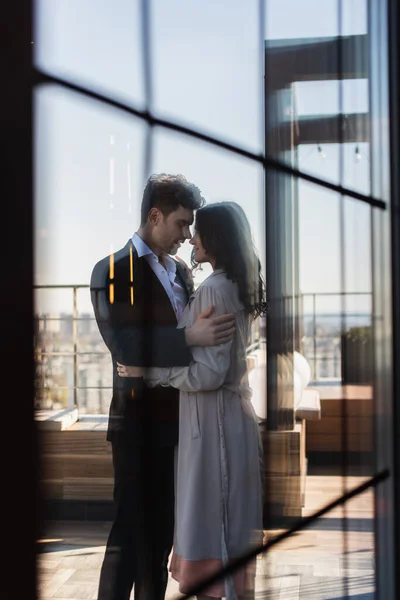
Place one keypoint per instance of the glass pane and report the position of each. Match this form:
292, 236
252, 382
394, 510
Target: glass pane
310, 19
322, 561
89, 339
54, 380
87, 204
54, 348
317, 109
54, 327
320, 363
94, 382
222, 176
207, 67
386, 443
88, 201
94, 44
322, 256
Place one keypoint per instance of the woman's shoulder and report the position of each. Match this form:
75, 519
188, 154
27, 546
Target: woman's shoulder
218, 284
218, 280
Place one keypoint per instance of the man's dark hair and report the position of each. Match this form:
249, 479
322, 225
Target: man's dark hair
169, 192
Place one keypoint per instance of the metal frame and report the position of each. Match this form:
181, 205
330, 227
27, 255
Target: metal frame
394, 96
20, 188
19, 442
41, 78
314, 296
298, 526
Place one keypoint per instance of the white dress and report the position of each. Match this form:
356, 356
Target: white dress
218, 506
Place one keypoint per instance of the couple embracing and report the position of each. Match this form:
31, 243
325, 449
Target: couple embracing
185, 440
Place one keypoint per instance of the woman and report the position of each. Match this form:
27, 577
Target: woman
219, 465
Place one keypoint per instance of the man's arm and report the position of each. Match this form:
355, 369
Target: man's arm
127, 328
209, 366
211, 331
132, 337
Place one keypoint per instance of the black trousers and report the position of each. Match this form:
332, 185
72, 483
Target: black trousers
141, 536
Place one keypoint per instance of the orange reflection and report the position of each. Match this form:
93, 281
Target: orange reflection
112, 266
111, 293
131, 264
132, 298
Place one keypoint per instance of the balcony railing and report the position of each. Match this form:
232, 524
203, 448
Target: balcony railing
43, 354
72, 339
321, 338
54, 333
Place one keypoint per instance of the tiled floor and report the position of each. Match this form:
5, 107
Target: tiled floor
315, 564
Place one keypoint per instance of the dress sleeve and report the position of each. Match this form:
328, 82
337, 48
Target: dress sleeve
209, 366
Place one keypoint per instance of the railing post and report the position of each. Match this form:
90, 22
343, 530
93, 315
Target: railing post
75, 343
301, 323
315, 334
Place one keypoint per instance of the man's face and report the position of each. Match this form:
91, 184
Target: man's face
171, 231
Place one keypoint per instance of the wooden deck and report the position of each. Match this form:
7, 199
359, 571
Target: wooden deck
323, 562
319, 563
347, 416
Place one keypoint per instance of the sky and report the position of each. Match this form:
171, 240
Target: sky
208, 74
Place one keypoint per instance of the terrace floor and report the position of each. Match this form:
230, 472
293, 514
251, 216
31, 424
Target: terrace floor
318, 563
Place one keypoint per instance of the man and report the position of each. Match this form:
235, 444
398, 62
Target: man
138, 295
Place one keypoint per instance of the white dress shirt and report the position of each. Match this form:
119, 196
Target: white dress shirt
167, 275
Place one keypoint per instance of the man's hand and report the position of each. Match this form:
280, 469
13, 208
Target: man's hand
210, 331
125, 371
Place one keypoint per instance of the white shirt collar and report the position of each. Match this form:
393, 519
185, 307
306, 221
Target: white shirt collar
143, 249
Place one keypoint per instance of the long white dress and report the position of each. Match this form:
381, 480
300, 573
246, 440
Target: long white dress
218, 510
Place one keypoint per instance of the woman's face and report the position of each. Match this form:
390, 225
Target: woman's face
200, 254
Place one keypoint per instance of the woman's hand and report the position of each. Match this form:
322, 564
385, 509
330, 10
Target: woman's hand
124, 371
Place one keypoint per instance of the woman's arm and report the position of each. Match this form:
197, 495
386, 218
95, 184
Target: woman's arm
129, 330
209, 366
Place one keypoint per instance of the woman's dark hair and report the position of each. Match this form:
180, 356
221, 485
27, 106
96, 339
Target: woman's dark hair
169, 192
226, 235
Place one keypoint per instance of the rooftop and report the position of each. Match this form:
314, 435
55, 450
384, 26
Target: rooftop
319, 563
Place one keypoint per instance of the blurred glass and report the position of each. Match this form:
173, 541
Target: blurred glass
316, 89
54, 380
335, 283
88, 335
326, 258
86, 206
84, 304
94, 382
333, 253
94, 44
381, 163
220, 175
208, 67
89, 175
330, 258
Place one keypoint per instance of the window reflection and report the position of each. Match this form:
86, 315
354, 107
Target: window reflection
79, 41
319, 364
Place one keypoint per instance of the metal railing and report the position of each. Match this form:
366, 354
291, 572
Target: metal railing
343, 317
43, 353
312, 321
75, 353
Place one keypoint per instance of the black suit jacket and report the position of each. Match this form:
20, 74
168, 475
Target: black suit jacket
138, 324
